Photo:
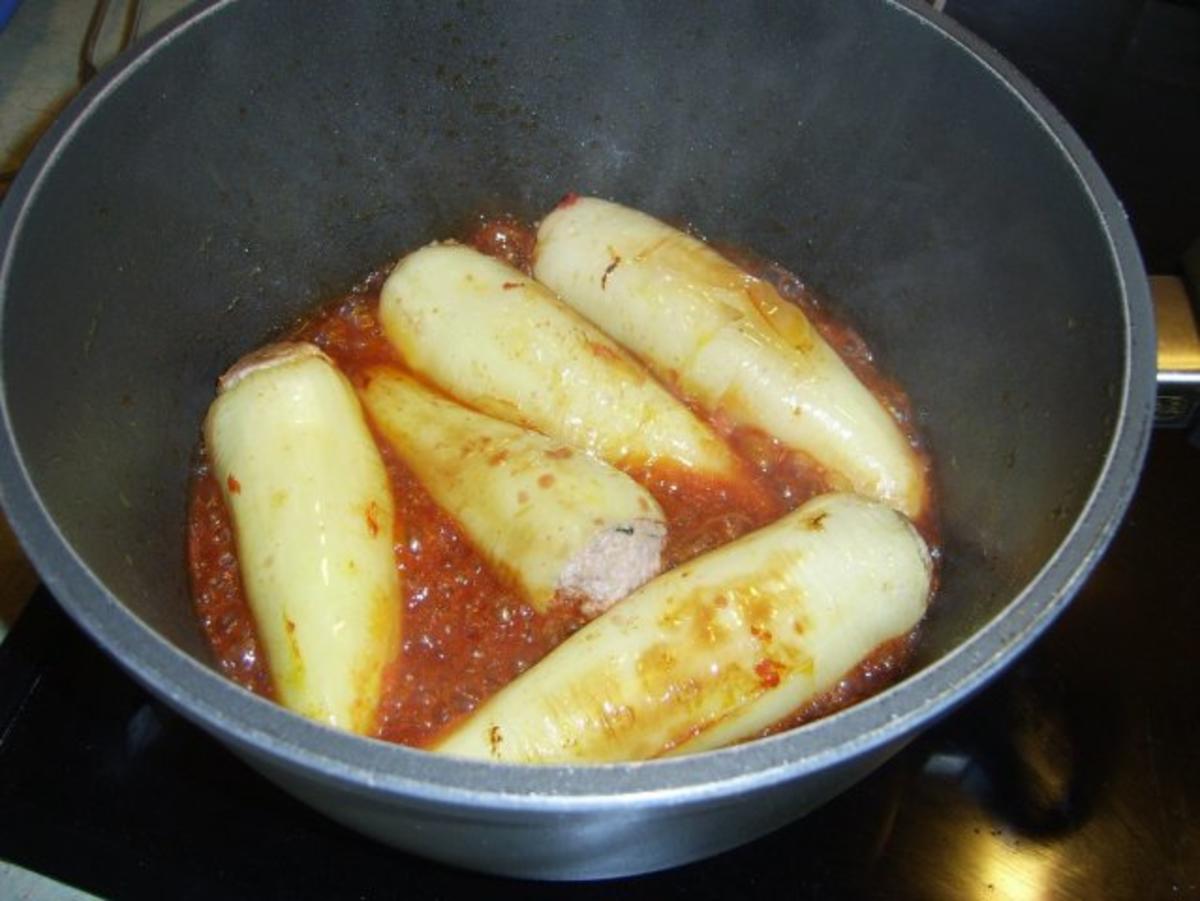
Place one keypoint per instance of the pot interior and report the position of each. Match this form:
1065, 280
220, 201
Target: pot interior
269, 154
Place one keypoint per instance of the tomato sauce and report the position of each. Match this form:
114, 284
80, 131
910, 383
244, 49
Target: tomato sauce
466, 632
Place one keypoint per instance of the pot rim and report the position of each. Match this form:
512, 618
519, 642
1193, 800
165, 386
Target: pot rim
265, 731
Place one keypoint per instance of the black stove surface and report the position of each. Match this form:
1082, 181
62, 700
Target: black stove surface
1074, 775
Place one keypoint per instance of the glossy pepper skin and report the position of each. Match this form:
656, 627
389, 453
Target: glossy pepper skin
313, 519
727, 340
497, 340
548, 517
718, 649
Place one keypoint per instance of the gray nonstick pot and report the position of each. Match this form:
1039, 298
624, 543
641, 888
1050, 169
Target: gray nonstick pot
256, 156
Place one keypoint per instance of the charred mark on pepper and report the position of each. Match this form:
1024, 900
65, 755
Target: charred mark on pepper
707, 628
234, 486
616, 261
603, 351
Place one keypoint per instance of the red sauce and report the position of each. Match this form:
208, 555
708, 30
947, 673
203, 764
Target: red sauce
506, 239
466, 632
703, 513
873, 674
217, 585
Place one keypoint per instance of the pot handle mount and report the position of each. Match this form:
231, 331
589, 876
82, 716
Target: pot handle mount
1175, 304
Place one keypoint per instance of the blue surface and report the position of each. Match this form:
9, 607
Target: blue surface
7, 8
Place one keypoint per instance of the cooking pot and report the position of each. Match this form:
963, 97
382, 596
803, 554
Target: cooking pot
254, 158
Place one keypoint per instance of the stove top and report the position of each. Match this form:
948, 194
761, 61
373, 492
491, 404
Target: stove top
1072, 776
